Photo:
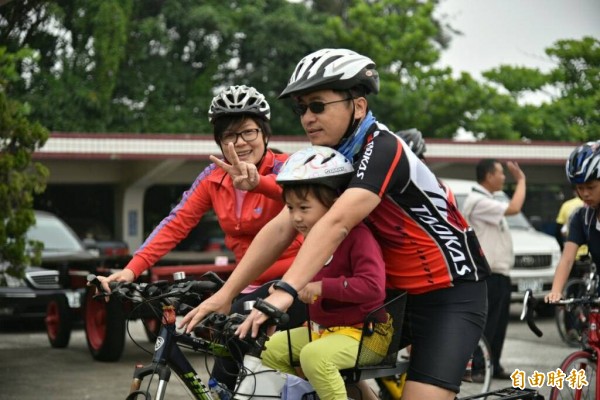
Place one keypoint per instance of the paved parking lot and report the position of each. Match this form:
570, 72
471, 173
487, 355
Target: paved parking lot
30, 369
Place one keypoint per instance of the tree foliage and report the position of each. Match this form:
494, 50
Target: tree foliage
20, 178
154, 66
572, 87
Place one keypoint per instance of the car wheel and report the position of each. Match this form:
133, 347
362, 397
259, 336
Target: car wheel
104, 327
58, 322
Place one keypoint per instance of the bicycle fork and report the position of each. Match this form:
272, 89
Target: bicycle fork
162, 371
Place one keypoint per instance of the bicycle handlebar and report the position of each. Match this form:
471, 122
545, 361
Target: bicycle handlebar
159, 289
529, 303
165, 291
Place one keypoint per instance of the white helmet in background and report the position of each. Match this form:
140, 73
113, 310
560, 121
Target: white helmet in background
316, 164
239, 100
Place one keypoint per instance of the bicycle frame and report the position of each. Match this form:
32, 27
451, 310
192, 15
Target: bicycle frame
589, 352
168, 356
581, 359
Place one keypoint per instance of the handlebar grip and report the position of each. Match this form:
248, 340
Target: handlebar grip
93, 279
529, 303
278, 316
200, 287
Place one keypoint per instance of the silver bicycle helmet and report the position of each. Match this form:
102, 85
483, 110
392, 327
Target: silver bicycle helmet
239, 100
336, 69
583, 164
316, 164
414, 139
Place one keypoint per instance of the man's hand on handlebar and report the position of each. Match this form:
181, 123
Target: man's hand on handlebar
279, 299
553, 297
217, 303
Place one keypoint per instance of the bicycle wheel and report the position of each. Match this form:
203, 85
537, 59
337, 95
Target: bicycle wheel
579, 360
482, 371
570, 322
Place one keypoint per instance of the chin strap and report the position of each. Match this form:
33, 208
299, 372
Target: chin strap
350, 146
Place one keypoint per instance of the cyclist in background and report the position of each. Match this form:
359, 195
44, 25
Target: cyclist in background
583, 171
428, 247
344, 291
240, 117
415, 141
567, 208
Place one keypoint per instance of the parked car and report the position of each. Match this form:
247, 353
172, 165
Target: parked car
48, 291
536, 253
98, 238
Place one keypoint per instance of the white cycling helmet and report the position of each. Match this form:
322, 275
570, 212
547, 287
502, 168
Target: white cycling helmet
316, 164
335, 69
239, 100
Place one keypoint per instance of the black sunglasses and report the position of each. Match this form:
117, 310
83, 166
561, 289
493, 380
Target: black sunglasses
315, 107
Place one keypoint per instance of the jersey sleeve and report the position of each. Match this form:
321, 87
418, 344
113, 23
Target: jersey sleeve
267, 186
382, 165
174, 227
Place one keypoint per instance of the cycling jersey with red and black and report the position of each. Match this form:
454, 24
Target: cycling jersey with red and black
426, 242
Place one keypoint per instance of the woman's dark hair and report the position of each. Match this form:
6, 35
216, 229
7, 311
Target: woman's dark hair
324, 194
234, 121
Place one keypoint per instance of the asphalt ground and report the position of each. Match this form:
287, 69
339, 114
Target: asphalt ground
31, 369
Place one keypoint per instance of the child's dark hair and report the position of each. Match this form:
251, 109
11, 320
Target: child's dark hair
324, 194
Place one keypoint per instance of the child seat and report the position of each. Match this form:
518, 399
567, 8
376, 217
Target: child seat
389, 366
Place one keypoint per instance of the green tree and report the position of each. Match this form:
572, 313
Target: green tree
405, 40
138, 66
20, 178
572, 89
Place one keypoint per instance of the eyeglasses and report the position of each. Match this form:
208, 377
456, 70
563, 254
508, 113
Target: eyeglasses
315, 107
248, 135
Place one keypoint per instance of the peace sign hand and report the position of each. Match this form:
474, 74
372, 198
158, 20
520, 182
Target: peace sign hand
244, 175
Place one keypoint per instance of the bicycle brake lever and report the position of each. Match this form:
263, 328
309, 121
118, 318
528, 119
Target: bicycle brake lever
279, 317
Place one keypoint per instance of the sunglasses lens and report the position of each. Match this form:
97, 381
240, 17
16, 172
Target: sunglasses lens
300, 109
316, 107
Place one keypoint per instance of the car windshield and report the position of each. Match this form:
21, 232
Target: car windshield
518, 221
54, 234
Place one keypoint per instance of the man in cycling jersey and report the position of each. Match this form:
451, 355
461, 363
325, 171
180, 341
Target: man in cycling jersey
428, 247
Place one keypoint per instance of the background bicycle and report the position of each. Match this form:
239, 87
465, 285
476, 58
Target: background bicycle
571, 320
581, 366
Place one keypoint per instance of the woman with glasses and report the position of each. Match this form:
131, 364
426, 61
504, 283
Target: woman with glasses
240, 117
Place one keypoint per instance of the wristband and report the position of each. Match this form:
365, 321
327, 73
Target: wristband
286, 287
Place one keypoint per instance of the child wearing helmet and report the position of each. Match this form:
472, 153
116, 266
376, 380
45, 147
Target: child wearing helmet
428, 247
583, 171
346, 289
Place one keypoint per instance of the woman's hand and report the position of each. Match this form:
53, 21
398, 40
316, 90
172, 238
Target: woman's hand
125, 275
244, 175
218, 303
